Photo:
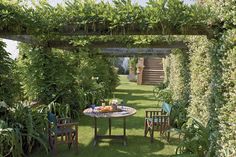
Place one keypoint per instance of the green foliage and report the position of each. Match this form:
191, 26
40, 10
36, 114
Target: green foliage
10, 141
59, 109
23, 128
31, 123
9, 87
76, 79
195, 140
121, 17
226, 140
176, 67
224, 11
178, 115
133, 61
179, 76
201, 75
80, 79
162, 95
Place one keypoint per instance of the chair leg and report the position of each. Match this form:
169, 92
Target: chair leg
168, 136
76, 142
145, 129
70, 138
54, 147
152, 132
152, 135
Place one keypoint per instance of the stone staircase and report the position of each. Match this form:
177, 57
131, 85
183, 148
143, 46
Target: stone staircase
153, 72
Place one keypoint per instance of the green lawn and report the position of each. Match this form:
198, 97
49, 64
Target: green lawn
139, 97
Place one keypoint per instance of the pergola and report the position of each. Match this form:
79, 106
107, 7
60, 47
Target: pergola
33, 29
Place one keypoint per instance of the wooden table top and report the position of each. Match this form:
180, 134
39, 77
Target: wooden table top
125, 112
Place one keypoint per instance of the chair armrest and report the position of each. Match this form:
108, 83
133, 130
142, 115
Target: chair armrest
68, 118
64, 120
161, 119
158, 116
68, 125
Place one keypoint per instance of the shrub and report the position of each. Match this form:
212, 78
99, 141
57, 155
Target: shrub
195, 142
163, 95
9, 86
22, 129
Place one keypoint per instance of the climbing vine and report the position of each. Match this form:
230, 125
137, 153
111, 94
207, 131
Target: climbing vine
179, 76
226, 140
90, 17
200, 68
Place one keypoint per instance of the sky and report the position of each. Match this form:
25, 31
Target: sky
12, 45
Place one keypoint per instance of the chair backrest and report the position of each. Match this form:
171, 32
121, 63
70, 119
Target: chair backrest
52, 123
166, 108
52, 118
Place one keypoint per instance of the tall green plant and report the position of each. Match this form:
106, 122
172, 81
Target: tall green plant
24, 128
195, 142
8, 84
10, 141
31, 123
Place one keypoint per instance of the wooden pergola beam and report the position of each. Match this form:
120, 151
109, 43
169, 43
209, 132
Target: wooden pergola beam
67, 45
129, 52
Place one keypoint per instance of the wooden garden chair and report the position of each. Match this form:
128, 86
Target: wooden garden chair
62, 130
158, 121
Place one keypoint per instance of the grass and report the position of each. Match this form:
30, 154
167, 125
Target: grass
139, 97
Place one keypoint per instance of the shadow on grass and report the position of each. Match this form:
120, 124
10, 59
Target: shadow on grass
134, 97
134, 91
138, 146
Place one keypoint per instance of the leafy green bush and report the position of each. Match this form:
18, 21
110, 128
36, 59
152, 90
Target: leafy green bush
226, 117
60, 110
9, 87
77, 79
22, 129
178, 115
10, 141
195, 141
162, 95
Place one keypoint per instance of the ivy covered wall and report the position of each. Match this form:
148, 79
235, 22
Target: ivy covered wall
201, 73
227, 121
224, 20
179, 76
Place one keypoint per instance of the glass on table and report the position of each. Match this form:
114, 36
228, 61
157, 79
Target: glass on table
93, 107
122, 105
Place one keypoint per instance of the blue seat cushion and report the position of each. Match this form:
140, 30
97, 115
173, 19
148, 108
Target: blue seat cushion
166, 107
60, 131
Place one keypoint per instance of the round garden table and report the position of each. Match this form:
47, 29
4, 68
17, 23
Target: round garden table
123, 112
